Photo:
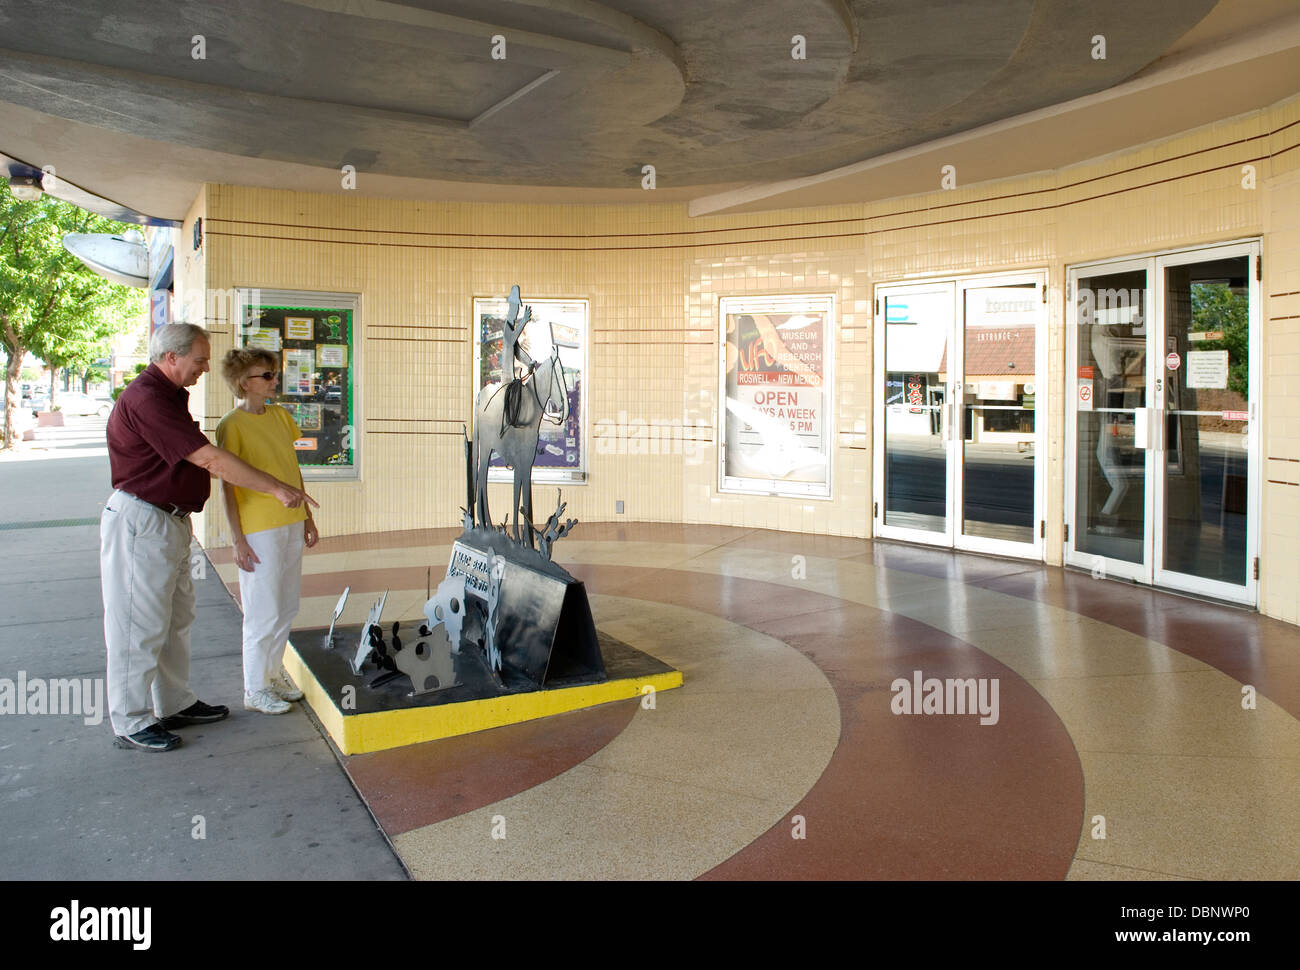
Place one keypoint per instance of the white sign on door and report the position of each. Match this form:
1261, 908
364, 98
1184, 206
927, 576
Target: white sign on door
1207, 369
1085, 395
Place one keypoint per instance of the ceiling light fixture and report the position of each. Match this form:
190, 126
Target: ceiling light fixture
26, 188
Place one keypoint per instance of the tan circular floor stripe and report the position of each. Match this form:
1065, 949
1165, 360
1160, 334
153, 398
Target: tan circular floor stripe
685, 786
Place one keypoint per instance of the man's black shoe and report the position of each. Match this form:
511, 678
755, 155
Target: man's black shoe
152, 738
196, 713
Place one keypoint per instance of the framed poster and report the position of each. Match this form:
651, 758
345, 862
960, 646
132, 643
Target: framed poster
299, 328
776, 375
314, 335
556, 327
299, 372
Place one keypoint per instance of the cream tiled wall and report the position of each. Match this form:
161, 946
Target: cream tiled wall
654, 277
1280, 513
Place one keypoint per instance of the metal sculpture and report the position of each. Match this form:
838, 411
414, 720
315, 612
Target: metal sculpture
551, 530
506, 617
511, 331
382, 654
492, 651
372, 621
513, 436
446, 609
338, 611
429, 662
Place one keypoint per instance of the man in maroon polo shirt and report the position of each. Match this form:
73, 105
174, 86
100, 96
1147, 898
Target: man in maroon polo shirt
162, 466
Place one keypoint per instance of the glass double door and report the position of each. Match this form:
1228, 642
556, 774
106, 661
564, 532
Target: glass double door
1162, 469
958, 437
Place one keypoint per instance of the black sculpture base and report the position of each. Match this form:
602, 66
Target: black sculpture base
332, 671
361, 718
527, 649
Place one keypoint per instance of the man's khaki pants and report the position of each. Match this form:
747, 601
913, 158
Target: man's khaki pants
144, 565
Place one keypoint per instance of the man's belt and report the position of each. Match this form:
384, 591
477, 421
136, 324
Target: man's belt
168, 507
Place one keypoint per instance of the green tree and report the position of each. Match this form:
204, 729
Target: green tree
94, 374
50, 303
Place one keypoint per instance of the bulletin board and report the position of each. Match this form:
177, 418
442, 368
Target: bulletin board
314, 336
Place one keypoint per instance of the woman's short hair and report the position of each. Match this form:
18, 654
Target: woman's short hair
238, 362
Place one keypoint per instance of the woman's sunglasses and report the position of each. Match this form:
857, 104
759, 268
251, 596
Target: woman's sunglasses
266, 375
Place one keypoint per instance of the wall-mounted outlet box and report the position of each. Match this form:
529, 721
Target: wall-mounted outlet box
618, 507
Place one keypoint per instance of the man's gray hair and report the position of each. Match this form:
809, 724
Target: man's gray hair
174, 338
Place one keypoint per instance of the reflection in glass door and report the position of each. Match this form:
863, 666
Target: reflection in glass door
958, 435
1109, 395
999, 392
1163, 471
915, 414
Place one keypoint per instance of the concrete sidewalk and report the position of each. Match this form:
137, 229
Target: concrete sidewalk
266, 793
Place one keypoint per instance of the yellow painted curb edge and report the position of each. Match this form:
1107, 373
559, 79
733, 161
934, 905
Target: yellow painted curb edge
360, 733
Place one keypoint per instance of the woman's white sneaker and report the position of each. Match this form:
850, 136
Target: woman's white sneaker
265, 701
284, 689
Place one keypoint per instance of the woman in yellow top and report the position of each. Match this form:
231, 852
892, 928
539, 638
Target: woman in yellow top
268, 538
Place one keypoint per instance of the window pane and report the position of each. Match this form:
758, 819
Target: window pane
917, 325
999, 393
1110, 471
1207, 326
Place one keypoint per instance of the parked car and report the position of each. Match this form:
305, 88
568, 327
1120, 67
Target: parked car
73, 402
39, 401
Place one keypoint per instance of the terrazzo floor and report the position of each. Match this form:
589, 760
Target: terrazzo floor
1118, 739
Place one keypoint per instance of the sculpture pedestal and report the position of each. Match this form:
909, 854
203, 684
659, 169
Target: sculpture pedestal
552, 658
360, 718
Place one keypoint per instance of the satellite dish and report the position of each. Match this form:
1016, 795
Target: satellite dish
121, 258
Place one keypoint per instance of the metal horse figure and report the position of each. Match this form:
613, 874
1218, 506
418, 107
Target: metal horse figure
516, 442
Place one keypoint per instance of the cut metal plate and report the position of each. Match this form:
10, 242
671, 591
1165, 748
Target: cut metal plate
447, 608
338, 611
363, 648
428, 663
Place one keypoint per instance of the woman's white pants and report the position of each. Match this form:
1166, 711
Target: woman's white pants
270, 599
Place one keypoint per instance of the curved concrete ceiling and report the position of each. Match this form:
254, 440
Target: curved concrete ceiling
580, 96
